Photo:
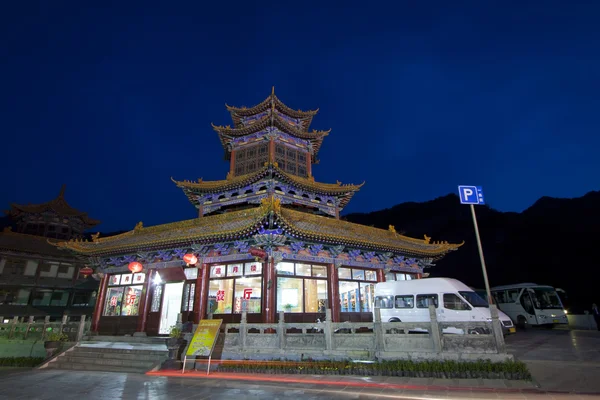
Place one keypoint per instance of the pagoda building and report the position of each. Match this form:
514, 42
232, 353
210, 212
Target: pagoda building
267, 239
36, 278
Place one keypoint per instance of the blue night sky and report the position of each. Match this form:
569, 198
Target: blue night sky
114, 99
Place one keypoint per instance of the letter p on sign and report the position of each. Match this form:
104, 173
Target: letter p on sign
470, 194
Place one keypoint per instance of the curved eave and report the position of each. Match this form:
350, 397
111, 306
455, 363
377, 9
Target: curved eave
237, 113
183, 233
63, 210
264, 123
379, 239
344, 192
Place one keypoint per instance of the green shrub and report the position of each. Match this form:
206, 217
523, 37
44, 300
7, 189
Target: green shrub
21, 361
409, 368
56, 337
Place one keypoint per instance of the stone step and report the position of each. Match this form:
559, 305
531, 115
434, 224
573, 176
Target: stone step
95, 367
116, 350
126, 339
82, 352
109, 362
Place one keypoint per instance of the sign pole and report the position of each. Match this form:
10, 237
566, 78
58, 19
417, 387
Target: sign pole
485, 277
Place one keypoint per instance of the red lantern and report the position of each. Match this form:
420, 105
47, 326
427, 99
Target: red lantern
135, 267
190, 259
85, 272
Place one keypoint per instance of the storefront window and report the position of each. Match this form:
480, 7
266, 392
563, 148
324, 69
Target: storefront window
356, 289
114, 297
234, 284
124, 299
297, 295
248, 290
398, 276
132, 300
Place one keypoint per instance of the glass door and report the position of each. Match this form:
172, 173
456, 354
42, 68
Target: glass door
171, 307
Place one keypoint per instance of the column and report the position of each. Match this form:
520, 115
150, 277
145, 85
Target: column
380, 275
272, 150
145, 301
197, 296
99, 308
271, 279
334, 293
308, 164
232, 163
203, 289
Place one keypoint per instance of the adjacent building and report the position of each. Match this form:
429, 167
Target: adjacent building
36, 278
268, 238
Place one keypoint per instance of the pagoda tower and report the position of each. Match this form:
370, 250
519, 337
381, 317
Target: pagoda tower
267, 239
271, 152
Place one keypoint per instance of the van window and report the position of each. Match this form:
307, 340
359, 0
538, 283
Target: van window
423, 300
453, 302
384, 302
406, 301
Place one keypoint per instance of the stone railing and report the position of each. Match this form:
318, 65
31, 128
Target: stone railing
362, 340
30, 329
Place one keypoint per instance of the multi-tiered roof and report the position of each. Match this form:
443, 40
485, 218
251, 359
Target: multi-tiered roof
274, 202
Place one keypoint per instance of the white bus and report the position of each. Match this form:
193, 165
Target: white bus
530, 304
408, 301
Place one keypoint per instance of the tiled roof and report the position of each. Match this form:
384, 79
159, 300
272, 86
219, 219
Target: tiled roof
272, 101
244, 223
30, 244
211, 228
58, 205
327, 230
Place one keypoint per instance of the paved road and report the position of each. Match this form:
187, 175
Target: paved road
71, 385
560, 359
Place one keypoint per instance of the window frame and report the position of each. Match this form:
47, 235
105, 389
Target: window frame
244, 266
310, 276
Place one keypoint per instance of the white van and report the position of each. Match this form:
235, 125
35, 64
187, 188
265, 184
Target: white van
408, 301
531, 304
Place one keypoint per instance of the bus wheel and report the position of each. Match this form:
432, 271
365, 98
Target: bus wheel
521, 322
396, 330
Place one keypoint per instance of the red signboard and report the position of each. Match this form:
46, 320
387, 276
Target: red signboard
258, 253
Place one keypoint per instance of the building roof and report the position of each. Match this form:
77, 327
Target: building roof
245, 223
343, 192
58, 205
29, 244
238, 113
227, 133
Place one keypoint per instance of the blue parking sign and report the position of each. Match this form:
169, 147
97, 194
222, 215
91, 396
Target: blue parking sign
470, 194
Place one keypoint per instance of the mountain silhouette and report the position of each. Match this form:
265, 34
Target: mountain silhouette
553, 242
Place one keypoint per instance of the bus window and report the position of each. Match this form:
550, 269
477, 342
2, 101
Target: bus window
424, 300
406, 301
512, 295
453, 302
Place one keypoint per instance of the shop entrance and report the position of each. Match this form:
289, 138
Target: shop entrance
171, 307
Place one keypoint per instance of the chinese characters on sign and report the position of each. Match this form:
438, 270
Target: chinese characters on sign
220, 295
247, 293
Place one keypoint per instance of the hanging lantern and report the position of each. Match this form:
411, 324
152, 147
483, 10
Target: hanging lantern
135, 267
85, 272
190, 259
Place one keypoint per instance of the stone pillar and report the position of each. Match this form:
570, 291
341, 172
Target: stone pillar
203, 289
378, 330
271, 283
145, 301
99, 308
334, 293
435, 329
281, 330
328, 331
497, 330
197, 296
243, 330
81, 329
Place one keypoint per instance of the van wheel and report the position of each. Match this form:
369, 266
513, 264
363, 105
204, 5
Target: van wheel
521, 322
395, 330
